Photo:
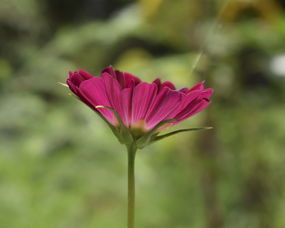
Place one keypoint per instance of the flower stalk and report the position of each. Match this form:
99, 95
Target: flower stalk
131, 184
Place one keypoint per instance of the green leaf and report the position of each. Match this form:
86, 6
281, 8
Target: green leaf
157, 138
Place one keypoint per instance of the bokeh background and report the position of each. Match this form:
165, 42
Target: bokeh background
60, 165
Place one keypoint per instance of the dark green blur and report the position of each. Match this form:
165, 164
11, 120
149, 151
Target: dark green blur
60, 165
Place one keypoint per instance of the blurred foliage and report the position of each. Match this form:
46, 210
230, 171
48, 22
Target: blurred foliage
60, 166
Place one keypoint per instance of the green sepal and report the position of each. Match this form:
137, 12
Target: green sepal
158, 138
148, 137
122, 133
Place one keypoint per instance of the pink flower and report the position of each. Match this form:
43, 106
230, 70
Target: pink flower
139, 104
137, 111
123, 99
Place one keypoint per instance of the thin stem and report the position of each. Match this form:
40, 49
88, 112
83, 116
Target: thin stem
131, 185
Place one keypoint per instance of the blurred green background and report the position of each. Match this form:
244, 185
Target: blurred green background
60, 165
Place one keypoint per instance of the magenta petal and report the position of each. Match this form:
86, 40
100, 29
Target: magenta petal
185, 101
113, 91
165, 102
74, 81
164, 84
207, 93
168, 84
126, 80
183, 90
143, 95
157, 82
126, 95
85, 74
94, 92
109, 70
130, 80
119, 76
199, 86
191, 104
193, 107
76, 78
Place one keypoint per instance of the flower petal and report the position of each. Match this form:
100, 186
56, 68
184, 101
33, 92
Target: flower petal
109, 70
168, 84
126, 95
207, 93
157, 81
185, 101
164, 103
126, 80
199, 86
188, 105
85, 75
193, 107
183, 90
113, 91
130, 80
144, 93
74, 81
94, 91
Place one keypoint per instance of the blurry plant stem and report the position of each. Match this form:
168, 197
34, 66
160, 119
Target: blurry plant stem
131, 185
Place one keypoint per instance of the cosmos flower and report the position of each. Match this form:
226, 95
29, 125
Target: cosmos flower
137, 111
135, 108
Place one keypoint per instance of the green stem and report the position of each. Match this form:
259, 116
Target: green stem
131, 185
